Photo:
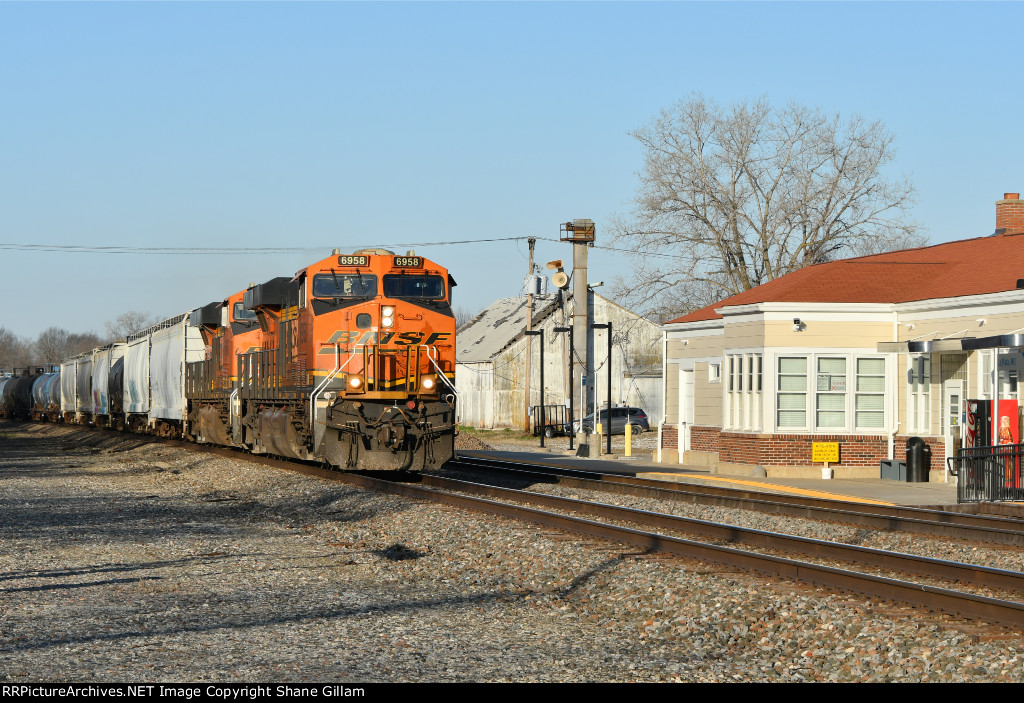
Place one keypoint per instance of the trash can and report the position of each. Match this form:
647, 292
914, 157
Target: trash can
919, 460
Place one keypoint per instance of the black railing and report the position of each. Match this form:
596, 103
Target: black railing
988, 474
556, 418
258, 374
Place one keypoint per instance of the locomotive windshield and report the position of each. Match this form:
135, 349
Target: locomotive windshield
414, 286
243, 315
344, 285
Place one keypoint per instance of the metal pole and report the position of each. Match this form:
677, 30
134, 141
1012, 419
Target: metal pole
529, 326
597, 413
543, 424
610, 387
572, 390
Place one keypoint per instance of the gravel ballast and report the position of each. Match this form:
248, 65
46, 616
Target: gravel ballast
123, 560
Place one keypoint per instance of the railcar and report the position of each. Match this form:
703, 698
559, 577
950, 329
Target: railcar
16, 394
107, 382
153, 387
46, 396
356, 365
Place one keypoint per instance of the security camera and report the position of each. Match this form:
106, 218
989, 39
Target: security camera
796, 324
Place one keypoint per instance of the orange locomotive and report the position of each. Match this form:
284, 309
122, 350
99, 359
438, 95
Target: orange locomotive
228, 330
356, 367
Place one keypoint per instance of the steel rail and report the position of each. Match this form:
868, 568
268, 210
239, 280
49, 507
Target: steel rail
996, 530
993, 610
974, 574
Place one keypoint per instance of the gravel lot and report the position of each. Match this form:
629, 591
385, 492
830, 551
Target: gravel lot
127, 561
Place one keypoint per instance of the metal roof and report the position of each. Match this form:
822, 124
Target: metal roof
498, 326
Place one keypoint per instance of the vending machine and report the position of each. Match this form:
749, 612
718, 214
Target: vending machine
979, 427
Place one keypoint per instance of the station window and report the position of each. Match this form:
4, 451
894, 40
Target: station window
869, 400
919, 383
830, 398
791, 395
743, 392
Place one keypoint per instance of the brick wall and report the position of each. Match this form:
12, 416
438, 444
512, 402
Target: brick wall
795, 450
669, 437
1010, 213
705, 439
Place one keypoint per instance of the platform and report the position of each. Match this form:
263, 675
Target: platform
871, 490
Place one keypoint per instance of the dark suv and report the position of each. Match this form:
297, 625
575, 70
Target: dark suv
621, 417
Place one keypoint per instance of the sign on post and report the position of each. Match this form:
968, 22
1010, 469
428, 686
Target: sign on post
825, 452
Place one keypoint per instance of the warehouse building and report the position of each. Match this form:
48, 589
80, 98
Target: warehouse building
491, 360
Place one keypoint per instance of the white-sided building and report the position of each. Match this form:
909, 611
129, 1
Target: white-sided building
491, 360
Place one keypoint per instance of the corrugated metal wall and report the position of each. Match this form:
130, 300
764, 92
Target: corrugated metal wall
492, 394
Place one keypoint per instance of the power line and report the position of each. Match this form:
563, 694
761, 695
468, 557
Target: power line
234, 251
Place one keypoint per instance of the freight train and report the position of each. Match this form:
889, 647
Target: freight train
350, 362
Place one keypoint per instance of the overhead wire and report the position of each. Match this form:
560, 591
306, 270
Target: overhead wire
234, 251
91, 249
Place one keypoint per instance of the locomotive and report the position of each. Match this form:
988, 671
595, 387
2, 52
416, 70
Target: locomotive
350, 362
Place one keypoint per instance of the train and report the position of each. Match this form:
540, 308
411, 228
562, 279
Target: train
350, 362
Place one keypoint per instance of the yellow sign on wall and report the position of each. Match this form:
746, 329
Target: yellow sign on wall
825, 451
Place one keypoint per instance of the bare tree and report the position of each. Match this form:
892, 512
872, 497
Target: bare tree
55, 344
463, 315
52, 345
14, 351
128, 323
83, 342
731, 198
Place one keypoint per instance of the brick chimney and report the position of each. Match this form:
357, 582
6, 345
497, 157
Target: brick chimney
1010, 214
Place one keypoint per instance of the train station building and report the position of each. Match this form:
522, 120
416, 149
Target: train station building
864, 352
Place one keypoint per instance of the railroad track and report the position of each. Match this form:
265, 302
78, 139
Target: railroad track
923, 521
576, 516
507, 503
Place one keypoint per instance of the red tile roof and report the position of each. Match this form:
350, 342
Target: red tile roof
965, 267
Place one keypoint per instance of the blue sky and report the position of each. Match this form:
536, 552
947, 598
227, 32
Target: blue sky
320, 125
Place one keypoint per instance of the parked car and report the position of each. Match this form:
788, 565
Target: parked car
635, 418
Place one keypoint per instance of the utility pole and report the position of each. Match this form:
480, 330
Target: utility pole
581, 233
529, 329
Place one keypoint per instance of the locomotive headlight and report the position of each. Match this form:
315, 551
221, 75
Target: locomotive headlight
387, 316
429, 383
355, 383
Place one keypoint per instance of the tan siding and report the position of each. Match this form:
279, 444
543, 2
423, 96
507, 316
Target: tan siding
672, 393
746, 335
827, 334
707, 405
695, 347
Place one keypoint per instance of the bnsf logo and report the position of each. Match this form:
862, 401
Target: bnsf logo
360, 337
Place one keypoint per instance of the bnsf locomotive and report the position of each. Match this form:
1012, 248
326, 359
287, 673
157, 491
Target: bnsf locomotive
350, 362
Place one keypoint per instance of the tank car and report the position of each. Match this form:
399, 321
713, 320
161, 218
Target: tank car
3, 383
356, 365
16, 401
46, 396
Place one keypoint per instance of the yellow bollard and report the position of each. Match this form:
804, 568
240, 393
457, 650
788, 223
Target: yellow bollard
597, 431
629, 440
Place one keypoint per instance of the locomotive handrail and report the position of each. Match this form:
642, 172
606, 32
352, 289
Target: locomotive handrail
323, 384
439, 371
